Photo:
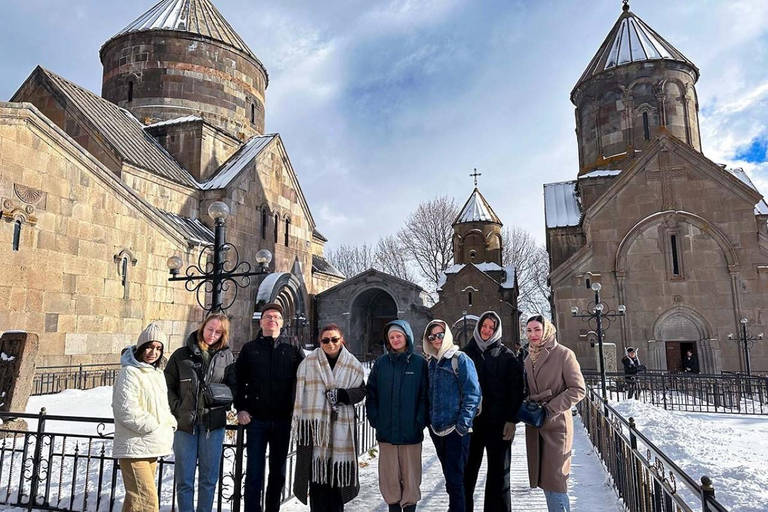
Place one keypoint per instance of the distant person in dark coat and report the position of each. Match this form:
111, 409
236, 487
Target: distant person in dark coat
632, 367
690, 362
397, 405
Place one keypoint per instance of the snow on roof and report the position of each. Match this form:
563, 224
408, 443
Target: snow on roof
477, 209
601, 173
761, 208
509, 277
561, 206
178, 120
631, 40
237, 162
487, 266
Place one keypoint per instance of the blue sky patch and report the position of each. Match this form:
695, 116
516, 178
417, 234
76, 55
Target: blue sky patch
755, 152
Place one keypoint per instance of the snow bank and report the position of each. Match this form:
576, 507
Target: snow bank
730, 449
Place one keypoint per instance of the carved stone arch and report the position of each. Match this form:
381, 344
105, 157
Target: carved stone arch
285, 289
491, 236
379, 285
681, 325
704, 225
638, 81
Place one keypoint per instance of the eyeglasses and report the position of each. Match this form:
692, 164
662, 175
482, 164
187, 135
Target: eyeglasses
273, 317
326, 341
436, 336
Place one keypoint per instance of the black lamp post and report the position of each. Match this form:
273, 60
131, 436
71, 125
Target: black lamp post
747, 340
599, 318
466, 337
301, 321
223, 273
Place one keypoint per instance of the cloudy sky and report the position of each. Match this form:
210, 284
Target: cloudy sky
383, 104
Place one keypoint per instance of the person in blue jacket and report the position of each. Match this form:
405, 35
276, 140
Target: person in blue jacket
454, 397
396, 402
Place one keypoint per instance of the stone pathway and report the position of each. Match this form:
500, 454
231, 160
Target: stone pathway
590, 490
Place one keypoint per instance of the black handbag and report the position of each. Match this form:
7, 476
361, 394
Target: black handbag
217, 395
530, 412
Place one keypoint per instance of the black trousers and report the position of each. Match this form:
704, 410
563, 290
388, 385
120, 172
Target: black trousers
324, 498
489, 439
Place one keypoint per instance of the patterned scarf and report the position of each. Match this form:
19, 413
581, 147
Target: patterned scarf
535, 350
332, 440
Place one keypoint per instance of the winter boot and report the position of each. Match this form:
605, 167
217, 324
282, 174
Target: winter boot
395, 508
409, 508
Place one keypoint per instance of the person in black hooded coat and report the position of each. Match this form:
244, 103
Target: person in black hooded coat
501, 382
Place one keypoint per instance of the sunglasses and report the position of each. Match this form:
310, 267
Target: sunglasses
326, 341
438, 336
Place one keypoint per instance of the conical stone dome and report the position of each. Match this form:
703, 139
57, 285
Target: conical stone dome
181, 58
636, 84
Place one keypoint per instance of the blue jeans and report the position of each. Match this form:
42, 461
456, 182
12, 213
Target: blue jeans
199, 450
557, 501
276, 435
452, 451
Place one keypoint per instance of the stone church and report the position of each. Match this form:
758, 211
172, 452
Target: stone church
677, 238
98, 191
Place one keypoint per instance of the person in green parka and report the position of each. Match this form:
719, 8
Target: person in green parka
397, 406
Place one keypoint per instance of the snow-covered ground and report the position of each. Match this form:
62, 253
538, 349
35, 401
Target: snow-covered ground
731, 449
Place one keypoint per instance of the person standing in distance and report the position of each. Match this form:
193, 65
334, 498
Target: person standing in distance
501, 382
266, 381
397, 408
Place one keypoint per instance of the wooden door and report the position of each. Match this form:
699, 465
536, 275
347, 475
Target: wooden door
674, 357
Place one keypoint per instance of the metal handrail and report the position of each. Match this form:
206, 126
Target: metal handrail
644, 481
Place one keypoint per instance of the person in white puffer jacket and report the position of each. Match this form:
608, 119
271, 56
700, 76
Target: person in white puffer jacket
144, 425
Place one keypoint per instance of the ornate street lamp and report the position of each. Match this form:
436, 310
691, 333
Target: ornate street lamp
599, 317
221, 274
747, 340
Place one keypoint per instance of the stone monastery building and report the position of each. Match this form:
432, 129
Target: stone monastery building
677, 238
98, 191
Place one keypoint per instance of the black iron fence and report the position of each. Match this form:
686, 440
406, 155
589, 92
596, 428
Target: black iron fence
731, 394
645, 478
54, 379
69, 466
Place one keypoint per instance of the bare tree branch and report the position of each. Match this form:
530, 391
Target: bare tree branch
428, 237
351, 259
532, 265
391, 257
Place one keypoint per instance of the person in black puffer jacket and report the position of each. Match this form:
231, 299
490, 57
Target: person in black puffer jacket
266, 385
501, 381
204, 359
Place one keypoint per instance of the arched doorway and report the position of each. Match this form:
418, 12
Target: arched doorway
285, 289
371, 310
681, 331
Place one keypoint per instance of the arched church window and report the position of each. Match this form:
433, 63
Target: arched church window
472, 255
264, 219
253, 112
469, 298
646, 127
277, 225
675, 257
16, 235
287, 229
130, 90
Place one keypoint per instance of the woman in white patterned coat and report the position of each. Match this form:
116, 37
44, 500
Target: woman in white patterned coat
144, 424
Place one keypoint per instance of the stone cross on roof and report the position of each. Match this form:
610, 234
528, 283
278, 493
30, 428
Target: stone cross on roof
666, 174
475, 175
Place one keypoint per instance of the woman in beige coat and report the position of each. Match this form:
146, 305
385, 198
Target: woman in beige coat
554, 379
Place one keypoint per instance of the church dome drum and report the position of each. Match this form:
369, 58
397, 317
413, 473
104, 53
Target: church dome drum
636, 84
182, 58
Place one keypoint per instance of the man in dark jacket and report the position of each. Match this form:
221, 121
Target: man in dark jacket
632, 367
501, 382
397, 406
266, 381
690, 362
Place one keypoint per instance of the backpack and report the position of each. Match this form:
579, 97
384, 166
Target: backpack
455, 366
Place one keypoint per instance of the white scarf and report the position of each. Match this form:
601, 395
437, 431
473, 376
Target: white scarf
312, 425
